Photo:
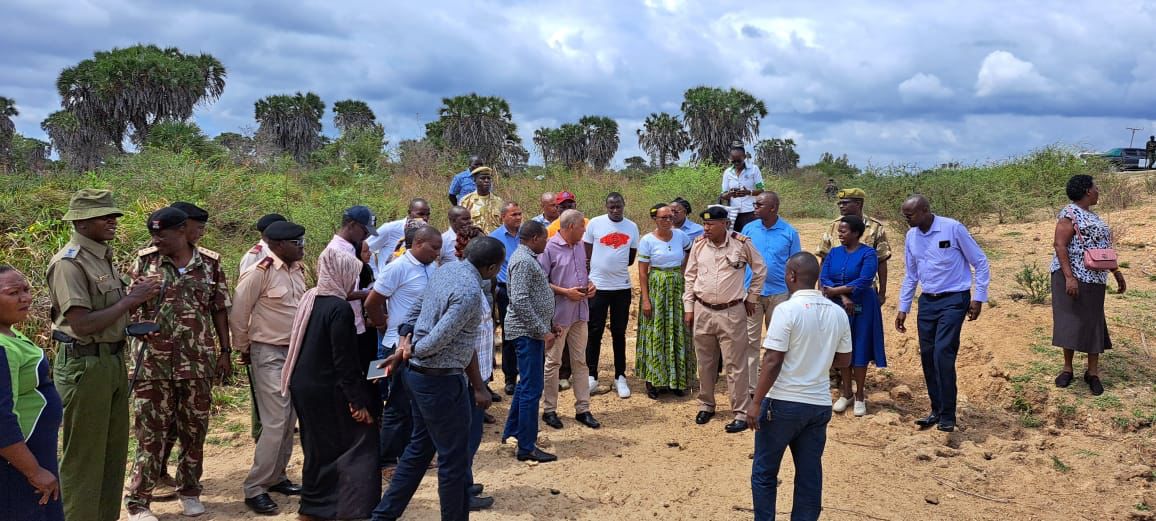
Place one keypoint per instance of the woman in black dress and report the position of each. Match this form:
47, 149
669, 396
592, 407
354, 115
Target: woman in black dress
326, 378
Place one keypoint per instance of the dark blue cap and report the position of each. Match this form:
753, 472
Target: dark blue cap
364, 216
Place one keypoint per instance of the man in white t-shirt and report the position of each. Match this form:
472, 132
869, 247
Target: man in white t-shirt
611, 244
401, 282
391, 234
808, 335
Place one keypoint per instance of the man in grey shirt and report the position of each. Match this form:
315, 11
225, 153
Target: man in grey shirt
530, 325
437, 340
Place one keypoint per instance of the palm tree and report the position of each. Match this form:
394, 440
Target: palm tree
717, 118
776, 155
139, 86
601, 140
292, 123
7, 131
570, 144
81, 147
475, 125
663, 137
544, 139
352, 114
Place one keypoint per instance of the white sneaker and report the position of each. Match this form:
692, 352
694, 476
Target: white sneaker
841, 404
593, 383
622, 387
563, 385
143, 514
860, 408
191, 506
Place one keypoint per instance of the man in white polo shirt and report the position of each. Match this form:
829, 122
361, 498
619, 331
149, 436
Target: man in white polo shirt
402, 283
808, 335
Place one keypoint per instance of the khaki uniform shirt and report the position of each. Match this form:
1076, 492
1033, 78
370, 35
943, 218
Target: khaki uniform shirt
255, 254
715, 273
265, 303
186, 346
875, 236
82, 275
485, 211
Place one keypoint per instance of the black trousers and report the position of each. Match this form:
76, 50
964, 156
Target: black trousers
509, 354
616, 304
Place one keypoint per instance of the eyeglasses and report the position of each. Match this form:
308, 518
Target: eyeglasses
300, 243
759, 205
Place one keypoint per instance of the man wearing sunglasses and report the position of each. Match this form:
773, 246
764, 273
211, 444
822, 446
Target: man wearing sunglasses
741, 183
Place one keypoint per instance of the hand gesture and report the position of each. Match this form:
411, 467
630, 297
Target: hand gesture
575, 294
143, 289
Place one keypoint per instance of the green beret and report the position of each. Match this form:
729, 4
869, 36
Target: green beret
852, 193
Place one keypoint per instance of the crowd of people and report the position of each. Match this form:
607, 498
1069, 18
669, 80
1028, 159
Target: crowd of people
386, 363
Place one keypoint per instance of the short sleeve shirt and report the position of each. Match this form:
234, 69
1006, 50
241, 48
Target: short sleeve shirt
402, 282
664, 254
749, 179
610, 253
485, 210
1096, 234
810, 329
82, 275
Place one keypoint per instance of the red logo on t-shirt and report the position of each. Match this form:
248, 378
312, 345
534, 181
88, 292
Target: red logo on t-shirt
615, 240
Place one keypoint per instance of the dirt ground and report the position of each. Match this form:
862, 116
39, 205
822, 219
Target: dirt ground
1024, 450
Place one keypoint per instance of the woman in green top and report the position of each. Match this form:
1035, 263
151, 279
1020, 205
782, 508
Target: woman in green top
30, 414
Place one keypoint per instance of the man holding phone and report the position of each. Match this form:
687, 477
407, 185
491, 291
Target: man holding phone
740, 184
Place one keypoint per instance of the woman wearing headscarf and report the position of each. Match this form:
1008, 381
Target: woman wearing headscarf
30, 414
1078, 322
325, 376
664, 358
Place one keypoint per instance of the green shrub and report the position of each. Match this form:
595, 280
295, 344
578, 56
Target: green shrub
1034, 282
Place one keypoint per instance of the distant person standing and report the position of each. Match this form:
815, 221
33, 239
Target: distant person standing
941, 256
1150, 149
831, 190
549, 208
740, 184
485, 207
808, 336
565, 201
850, 202
680, 210
386, 241
507, 233
463, 183
611, 245
261, 249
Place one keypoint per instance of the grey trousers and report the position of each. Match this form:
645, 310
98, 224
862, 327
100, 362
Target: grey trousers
277, 420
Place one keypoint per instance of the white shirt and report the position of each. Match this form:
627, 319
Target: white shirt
401, 282
610, 254
810, 329
254, 255
660, 254
750, 177
383, 244
449, 243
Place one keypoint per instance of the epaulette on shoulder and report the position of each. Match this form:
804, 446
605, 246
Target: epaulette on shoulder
256, 249
209, 253
265, 263
144, 252
70, 253
739, 237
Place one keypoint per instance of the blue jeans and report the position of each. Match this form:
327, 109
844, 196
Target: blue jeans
396, 417
940, 322
441, 423
523, 419
803, 428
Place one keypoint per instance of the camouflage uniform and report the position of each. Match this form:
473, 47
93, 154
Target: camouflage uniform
875, 236
174, 383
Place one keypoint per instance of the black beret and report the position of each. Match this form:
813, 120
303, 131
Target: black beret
195, 213
284, 231
715, 213
268, 219
166, 218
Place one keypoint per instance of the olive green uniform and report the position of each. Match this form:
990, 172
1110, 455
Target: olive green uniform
91, 377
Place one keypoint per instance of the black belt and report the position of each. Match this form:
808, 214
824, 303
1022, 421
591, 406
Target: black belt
719, 307
78, 350
435, 371
937, 296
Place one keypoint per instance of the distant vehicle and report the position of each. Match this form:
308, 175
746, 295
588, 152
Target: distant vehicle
1122, 158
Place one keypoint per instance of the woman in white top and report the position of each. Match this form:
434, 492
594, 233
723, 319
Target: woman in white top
665, 360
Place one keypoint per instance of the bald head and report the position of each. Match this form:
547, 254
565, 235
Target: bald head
802, 271
549, 209
917, 202
916, 211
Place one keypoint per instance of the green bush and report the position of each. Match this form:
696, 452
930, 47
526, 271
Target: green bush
1034, 282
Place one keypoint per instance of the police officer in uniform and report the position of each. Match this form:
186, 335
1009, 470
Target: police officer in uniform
717, 307
90, 308
261, 249
850, 202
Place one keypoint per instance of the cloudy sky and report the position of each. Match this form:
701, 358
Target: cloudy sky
882, 81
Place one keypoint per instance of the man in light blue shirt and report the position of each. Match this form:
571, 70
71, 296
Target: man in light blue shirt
775, 240
507, 233
940, 256
680, 209
463, 183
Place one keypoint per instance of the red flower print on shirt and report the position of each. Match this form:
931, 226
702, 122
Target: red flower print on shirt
615, 240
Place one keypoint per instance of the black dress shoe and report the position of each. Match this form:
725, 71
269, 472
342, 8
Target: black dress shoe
488, 418
651, 391
261, 504
946, 425
480, 503
1094, 384
538, 455
476, 489
494, 397
931, 419
736, 426
588, 420
678, 392
286, 487
703, 416
1064, 379
551, 419
509, 389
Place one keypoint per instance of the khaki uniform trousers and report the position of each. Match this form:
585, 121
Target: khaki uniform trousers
722, 331
574, 337
275, 445
756, 323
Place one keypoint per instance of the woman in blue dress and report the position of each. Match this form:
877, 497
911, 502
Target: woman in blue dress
30, 414
848, 278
